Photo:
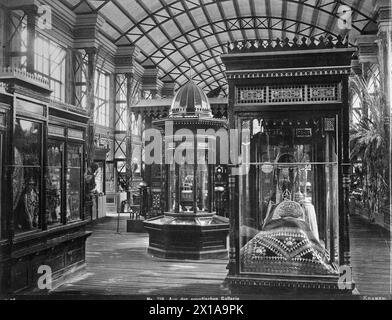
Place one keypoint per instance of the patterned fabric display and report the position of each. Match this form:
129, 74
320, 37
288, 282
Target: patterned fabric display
286, 246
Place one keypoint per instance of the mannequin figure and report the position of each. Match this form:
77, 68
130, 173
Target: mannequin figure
31, 202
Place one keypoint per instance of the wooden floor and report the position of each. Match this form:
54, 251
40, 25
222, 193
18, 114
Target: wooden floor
118, 264
370, 257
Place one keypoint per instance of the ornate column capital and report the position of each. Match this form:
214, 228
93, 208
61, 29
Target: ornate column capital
383, 9
384, 19
152, 81
125, 61
28, 6
168, 88
86, 30
367, 48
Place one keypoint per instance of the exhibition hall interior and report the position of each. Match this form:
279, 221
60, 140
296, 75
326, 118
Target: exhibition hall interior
195, 148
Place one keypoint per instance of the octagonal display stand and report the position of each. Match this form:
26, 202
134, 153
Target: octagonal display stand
188, 236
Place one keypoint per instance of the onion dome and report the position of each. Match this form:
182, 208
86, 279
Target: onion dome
190, 102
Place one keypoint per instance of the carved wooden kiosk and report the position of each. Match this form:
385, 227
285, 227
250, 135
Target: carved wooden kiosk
42, 172
289, 208
189, 228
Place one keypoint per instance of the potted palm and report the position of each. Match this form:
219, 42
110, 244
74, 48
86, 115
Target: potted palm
369, 142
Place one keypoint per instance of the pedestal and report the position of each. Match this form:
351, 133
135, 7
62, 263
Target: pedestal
188, 236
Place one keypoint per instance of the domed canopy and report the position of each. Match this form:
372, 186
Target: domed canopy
190, 101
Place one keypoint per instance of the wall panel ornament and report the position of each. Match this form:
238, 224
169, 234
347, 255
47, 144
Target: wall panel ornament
306, 93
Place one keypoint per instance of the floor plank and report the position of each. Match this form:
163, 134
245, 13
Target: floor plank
118, 264
370, 257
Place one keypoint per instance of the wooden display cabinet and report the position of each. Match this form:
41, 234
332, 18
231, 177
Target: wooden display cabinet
289, 208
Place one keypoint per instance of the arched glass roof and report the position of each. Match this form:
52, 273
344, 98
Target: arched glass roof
176, 35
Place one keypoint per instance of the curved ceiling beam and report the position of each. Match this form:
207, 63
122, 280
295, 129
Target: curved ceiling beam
213, 28
315, 17
194, 24
254, 14
196, 65
247, 27
319, 8
200, 52
148, 20
176, 78
179, 27
215, 79
229, 27
163, 30
129, 16
218, 76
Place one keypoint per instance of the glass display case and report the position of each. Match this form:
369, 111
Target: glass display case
41, 194
26, 180
1, 186
289, 202
54, 180
188, 184
73, 181
189, 228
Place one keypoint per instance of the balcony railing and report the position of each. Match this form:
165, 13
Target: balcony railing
66, 106
10, 73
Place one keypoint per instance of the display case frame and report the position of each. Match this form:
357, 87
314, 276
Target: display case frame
189, 228
280, 80
60, 246
6, 107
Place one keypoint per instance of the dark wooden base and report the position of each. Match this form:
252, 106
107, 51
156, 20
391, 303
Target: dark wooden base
188, 255
289, 287
61, 248
188, 241
135, 226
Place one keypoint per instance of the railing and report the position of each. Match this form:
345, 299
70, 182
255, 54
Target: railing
38, 80
22, 74
66, 106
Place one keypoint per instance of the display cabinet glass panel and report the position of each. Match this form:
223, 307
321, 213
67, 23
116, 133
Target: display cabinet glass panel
187, 187
54, 180
289, 199
27, 175
73, 181
188, 184
202, 184
109, 177
172, 183
1, 186
121, 175
99, 177
137, 158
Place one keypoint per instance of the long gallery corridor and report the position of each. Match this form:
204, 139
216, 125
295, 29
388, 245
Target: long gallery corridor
184, 149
